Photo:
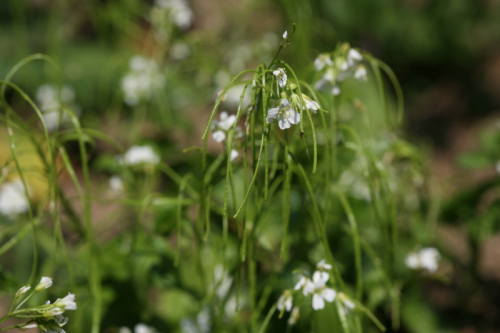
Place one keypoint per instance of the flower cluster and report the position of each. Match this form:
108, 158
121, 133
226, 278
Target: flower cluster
221, 128
347, 63
315, 287
48, 317
427, 258
52, 102
143, 79
139, 328
288, 112
13, 200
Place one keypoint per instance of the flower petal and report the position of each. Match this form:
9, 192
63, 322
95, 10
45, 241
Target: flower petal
293, 116
317, 302
328, 294
271, 115
219, 136
283, 123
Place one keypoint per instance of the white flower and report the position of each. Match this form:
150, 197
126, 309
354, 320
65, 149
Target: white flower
348, 305
353, 56
361, 74
116, 184
285, 113
285, 301
222, 281
143, 328
321, 292
27, 327
234, 155
45, 283
53, 312
13, 199
61, 320
322, 60
50, 100
427, 258
178, 11
310, 104
222, 126
285, 34
66, 303
322, 265
22, 290
281, 76
294, 316
140, 154
306, 285
219, 136
142, 80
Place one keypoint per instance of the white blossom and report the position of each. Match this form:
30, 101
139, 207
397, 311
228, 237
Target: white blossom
13, 199
223, 126
234, 154
285, 301
45, 283
310, 104
285, 113
321, 292
139, 155
281, 76
322, 60
306, 285
176, 11
361, 74
143, 79
219, 136
427, 258
285, 34
353, 57
51, 99
66, 303
322, 265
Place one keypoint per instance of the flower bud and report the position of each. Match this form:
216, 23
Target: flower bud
53, 312
22, 290
45, 283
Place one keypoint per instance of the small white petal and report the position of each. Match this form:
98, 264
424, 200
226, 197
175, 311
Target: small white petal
234, 155
283, 123
285, 34
328, 294
293, 117
271, 115
317, 302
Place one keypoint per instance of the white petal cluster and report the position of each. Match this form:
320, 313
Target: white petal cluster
310, 105
280, 76
285, 301
221, 128
13, 199
427, 258
317, 286
285, 113
142, 80
52, 101
140, 155
339, 69
66, 303
166, 12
